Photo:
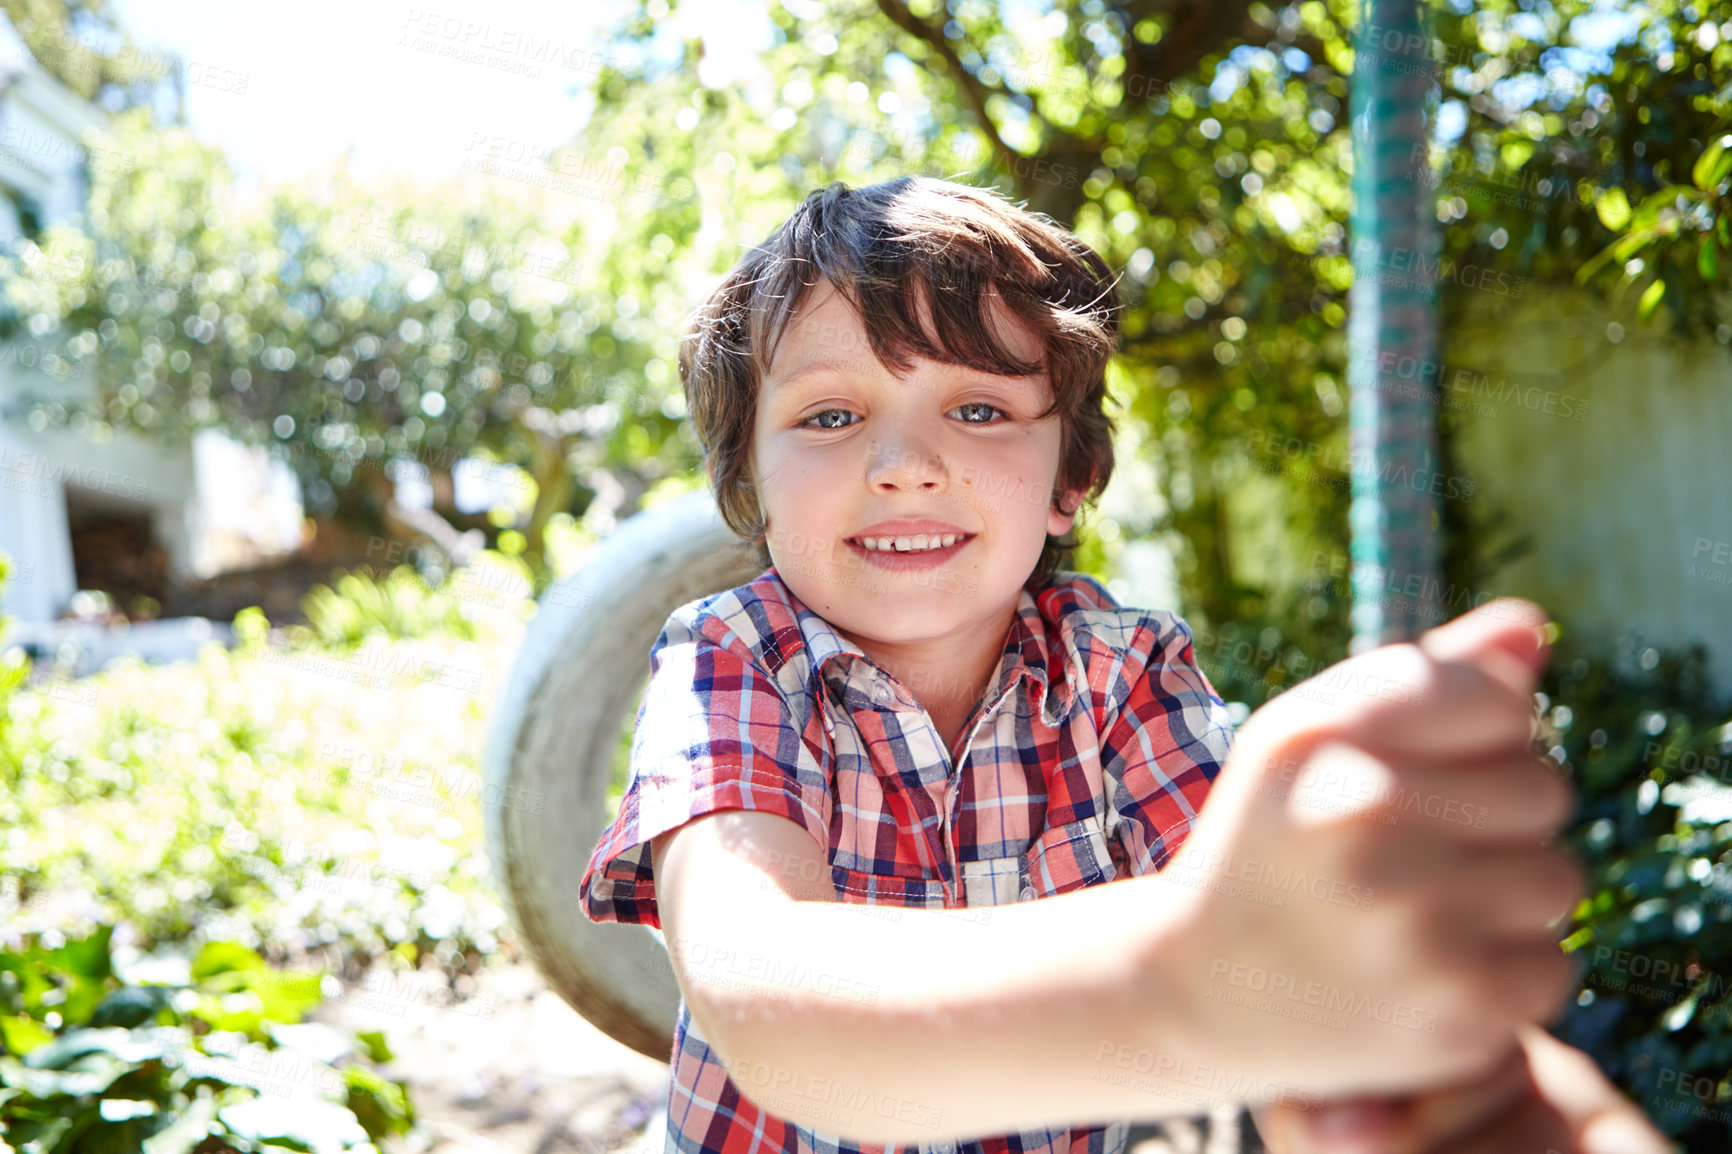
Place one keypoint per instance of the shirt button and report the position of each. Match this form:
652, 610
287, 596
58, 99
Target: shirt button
1028, 893
881, 693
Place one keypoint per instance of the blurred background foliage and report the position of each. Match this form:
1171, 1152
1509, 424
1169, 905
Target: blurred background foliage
1202, 146
265, 835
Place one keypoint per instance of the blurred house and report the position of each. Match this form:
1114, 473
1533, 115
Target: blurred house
130, 515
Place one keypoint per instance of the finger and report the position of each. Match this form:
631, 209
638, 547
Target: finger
1513, 795
1438, 1119
1535, 1126
1434, 1120
1509, 893
1532, 1127
1622, 1132
1344, 1126
1399, 700
1505, 797
1508, 627
1523, 982
1604, 1121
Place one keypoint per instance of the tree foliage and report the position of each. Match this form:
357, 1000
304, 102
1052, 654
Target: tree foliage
526, 313
352, 325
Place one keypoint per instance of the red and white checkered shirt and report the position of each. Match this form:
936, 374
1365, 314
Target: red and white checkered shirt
1097, 741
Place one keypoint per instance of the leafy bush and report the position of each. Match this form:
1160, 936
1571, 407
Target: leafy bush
1650, 748
215, 1058
301, 802
277, 805
14, 668
400, 606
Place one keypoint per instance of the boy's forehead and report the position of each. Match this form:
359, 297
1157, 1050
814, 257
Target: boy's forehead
825, 327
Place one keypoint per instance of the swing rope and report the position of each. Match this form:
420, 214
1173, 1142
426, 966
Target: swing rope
1391, 332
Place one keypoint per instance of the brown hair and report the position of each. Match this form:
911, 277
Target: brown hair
888, 248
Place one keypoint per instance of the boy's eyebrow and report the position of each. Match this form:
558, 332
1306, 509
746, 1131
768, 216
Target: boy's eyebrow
838, 365
811, 368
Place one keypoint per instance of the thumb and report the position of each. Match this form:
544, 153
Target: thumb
1507, 637
1358, 1126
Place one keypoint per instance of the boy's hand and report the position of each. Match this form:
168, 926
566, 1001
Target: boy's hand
1373, 893
1548, 1096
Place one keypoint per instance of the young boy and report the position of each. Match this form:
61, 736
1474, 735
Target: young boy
875, 792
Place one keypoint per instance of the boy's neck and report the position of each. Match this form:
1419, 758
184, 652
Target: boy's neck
948, 674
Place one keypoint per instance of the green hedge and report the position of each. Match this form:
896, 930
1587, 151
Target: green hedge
216, 1059
1649, 746
257, 831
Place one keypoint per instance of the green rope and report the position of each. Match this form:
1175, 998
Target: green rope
1392, 367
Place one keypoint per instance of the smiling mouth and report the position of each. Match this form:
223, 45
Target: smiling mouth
913, 543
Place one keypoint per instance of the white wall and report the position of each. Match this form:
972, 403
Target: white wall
247, 506
1625, 484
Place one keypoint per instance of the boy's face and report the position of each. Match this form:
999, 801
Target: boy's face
841, 446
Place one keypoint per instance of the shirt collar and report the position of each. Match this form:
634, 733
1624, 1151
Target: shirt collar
860, 681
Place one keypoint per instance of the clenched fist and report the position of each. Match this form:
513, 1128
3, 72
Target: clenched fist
1372, 899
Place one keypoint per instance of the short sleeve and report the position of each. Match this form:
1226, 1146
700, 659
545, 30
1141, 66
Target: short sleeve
713, 733
1166, 746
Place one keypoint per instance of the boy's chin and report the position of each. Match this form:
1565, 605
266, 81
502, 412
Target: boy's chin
888, 611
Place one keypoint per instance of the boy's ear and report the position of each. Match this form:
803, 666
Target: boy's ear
1057, 523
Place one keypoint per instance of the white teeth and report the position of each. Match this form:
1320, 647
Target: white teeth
918, 543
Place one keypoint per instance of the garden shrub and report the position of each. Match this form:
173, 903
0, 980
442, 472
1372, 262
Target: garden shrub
214, 1058
1648, 743
320, 806
400, 606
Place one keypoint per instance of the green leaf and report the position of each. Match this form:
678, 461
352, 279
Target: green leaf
1647, 213
1712, 166
1651, 299
92, 1074
319, 1041
59, 1053
1594, 264
1613, 208
374, 1041
22, 1034
310, 1123
291, 994
382, 1106
224, 957
1632, 243
1708, 258
86, 957
124, 1109
239, 1010
187, 1131
132, 1006
43, 1135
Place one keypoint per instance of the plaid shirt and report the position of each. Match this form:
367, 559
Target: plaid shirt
1098, 739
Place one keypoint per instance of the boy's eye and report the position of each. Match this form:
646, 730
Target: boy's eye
979, 405
823, 423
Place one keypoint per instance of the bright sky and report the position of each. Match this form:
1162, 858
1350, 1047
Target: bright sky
408, 88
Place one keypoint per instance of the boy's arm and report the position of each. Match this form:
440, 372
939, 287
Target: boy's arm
1159, 993
944, 1023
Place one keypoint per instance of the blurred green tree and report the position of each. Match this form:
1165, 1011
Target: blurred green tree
82, 44
1202, 147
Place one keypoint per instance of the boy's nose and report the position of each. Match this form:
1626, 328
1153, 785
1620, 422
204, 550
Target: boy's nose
903, 465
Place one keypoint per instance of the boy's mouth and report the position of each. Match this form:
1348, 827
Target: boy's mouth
908, 542
907, 551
